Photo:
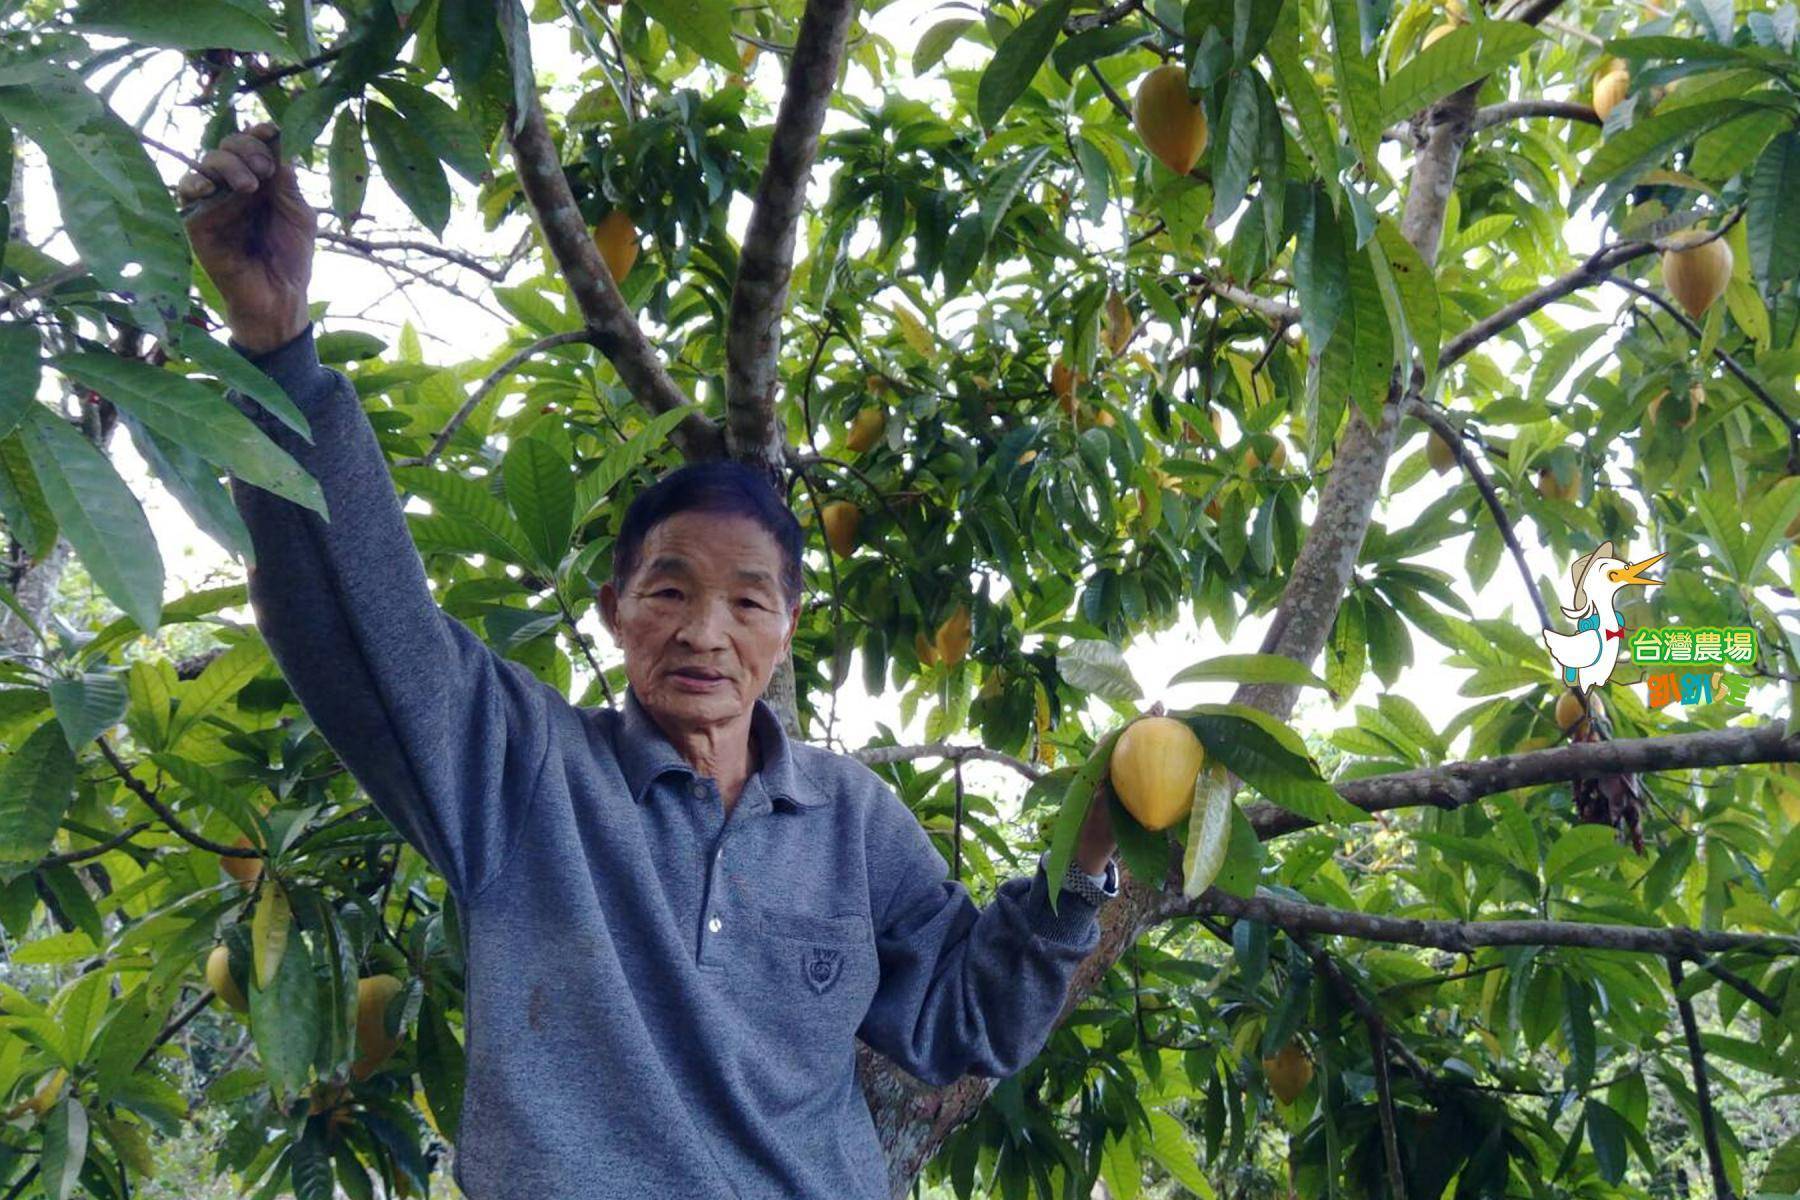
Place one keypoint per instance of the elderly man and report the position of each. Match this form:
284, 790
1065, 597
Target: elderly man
677, 919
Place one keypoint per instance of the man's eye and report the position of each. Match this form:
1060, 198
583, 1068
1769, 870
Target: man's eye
747, 602
667, 593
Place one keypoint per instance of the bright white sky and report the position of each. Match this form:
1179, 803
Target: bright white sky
353, 286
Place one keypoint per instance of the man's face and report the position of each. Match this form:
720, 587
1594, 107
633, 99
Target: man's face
703, 619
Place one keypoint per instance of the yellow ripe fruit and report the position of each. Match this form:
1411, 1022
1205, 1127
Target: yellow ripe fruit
245, 870
1119, 325
867, 428
218, 978
373, 1045
1104, 417
1610, 87
841, 519
1440, 453
1026, 457
1171, 126
1696, 275
1570, 714
1550, 488
1277, 459
1438, 31
925, 650
616, 238
1288, 1072
1696, 394
954, 636
1064, 380
1153, 768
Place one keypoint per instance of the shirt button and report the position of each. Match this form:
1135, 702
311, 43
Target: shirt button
699, 790
713, 924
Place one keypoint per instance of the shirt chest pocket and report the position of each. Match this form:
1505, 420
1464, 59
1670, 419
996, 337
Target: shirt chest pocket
807, 977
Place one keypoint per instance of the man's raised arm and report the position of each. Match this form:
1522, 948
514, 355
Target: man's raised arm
447, 738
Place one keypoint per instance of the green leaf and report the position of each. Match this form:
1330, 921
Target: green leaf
1271, 758
1234, 151
1606, 1134
1016, 61
540, 489
1073, 811
130, 1031
1359, 86
467, 39
284, 1018
239, 373
1209, 829
98, 514
348, 160
224, 677
1346, 651
1416, 288
410, 166
1622, 160
20, 369
441, 1069
1454, 61
87, 704
457, 495
1364, 340
450, 133
189, 25
702, 25
595, 489
37, 782
1097, 667
1249, 668
1295, 83
197, 416
1321, 272
65, 1148
1773, 216
310, 1167
936, 42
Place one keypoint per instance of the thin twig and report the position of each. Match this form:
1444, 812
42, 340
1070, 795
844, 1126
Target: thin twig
95, 851
488, 384
168, 816
1709, 1126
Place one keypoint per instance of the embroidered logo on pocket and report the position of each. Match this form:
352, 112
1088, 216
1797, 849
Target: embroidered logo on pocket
822, 967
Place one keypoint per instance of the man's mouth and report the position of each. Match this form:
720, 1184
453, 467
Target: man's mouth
698, 674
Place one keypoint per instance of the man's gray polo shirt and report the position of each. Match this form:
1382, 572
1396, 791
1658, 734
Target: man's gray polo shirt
662, 999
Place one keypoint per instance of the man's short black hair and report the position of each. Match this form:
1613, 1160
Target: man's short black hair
717, 486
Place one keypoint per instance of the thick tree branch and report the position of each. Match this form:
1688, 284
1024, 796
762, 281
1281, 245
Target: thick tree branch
1709, 1123
1594, 270
1465, 937
759, 296
613, 327
1514, 110
1453, 785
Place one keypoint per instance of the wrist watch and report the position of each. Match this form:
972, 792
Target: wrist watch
1095, 889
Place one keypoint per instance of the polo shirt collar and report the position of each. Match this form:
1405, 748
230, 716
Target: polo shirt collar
645, 754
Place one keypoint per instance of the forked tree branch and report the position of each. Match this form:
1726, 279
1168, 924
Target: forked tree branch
759, 296
614, 329
1594, 270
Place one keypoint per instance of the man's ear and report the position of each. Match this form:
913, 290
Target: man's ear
609, 608
793, 626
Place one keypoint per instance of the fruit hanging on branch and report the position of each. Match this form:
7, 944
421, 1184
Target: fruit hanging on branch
1572, 717
1552, 488
1696, 274
1170, 124
1439, 453
1610, 87
1119, 326
218, 978
617, 240
841, 519
866, 429
1153, 768
1064, 381
374, 1045
244, 869
1288, 1072
954, 636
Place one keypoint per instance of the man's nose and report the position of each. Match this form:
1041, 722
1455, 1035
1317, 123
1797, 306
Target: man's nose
704, 626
